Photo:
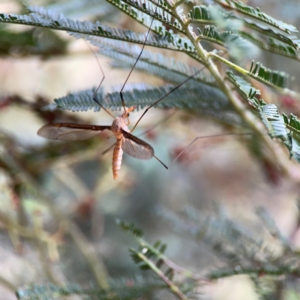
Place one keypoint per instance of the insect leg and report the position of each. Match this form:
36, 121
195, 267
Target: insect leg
103, 77
143, 47
170, 92
161, 162
108, 149
206, 137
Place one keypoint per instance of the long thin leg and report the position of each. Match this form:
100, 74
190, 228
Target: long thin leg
108, 149
103, 77
206, 137
143, 46
159, 123
170, 92
160, 162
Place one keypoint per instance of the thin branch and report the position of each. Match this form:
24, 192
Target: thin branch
254, 123
8, 284
87, 249
171, 285
241, 70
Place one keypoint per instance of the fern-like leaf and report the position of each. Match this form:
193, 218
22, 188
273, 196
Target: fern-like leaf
257, 14
83, 8
209, 14
154, 63
141, 95
271, 45
283, 49
273, 121
119, 289
130, 227
150, 9
212, 34
245, 89
292, 41
268, 76
52, 20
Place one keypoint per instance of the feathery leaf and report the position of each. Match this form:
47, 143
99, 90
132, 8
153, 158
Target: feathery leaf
257, 14
268, 76
52, 20
245, 89
150, 9
142, 95
154, 63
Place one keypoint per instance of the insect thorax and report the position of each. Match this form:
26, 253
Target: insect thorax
118, 124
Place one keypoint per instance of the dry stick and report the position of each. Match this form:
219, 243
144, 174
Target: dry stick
45, 265
161, 274
80, 240
40, 237
4, 282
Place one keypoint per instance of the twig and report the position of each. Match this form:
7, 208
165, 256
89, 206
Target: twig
8, 284
256, 125
172, 286
80, 240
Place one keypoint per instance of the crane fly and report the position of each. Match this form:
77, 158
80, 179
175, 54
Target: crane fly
125, 141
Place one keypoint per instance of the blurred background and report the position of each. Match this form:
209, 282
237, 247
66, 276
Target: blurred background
64, 192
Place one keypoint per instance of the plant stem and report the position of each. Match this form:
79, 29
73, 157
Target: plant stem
254, 123
80, 240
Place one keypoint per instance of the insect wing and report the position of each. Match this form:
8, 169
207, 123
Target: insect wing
70, 131
135, 147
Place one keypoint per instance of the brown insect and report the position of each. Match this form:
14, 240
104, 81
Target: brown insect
126, 142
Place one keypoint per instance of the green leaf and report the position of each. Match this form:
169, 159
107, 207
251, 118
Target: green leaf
130, 227
292, 41
82, 9
245, 89
273, 121
212, 34
257, 14
268, 76
138, 288
294, 146
142, 95
46, 19
283, 48
150, 9
157, 64
271, 45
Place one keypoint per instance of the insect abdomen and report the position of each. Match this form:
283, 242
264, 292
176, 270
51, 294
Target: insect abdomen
117, 158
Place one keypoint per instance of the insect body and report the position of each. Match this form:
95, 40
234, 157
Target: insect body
126, 142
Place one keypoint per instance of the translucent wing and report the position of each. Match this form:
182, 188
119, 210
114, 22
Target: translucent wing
135, 147
70, 131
